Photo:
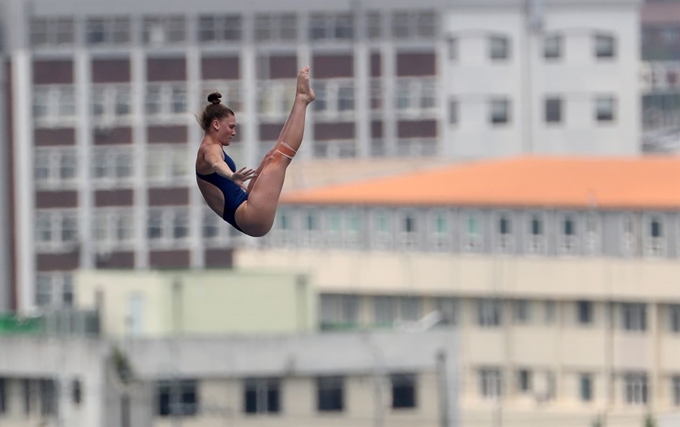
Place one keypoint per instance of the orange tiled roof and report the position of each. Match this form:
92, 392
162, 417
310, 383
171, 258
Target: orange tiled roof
643, 182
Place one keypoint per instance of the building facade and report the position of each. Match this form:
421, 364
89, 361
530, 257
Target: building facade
101, 96
561, 276
352, 379
660, 22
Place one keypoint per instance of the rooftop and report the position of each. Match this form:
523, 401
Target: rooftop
651, 182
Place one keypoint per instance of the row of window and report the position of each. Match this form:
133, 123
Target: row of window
345, 311
264, 395
499, 48
569, 233
38, 396
268, 27
500, 109
635, 385
57, 230
111, 103
58, 167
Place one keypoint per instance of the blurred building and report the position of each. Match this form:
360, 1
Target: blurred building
350, 379
561, 275
101, 94
160, 304
660, 21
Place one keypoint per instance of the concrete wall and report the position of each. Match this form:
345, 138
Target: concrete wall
419, 273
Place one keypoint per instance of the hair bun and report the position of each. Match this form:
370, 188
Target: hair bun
214, 98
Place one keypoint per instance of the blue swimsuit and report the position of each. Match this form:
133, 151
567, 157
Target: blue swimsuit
234, 195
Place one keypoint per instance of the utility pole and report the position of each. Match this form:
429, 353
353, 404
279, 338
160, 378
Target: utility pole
443, 389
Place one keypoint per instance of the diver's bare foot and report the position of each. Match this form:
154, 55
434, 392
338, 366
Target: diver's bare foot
304, 90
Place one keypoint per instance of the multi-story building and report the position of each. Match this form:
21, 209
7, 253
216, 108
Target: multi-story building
660, 22
351, 379
561, 276
100, 96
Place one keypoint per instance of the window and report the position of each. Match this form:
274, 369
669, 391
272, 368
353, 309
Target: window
674, 317
43, 291
584, 312
448, 309
3, 395
113, 228
472, 233
586, 387
276, 27
499, 48
403, 391
165, 99
414, 24
605, 46
490, 383
339, 311
569, 237
374, 24
522, 311
524, 381
56, 230
591, 237
675, 385
488, 313
440, 238
67, 290
330, 394
536, 240
553, 110
384, 310
634, 316
311, 221
168, 226
383, 225
628, 244
346, 97
110, 103
500, 111
416, 94
262, 396
53, 31
550, 309
504, 233
552, 47
331, 26
655, 228
112, 166
108, 30
452, 48
376, 95
453, 112
167, 164
410, 308
219, 28
48, 397
54, 105
604, 109
409, 230
635, 388
164, 29
177, 398
409, 224
230, 90
55, 167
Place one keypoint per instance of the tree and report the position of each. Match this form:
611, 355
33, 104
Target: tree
649, 421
